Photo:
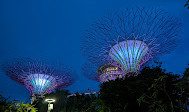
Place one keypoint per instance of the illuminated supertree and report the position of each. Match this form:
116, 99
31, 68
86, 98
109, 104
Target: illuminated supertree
102, 73
38, 77
129, 38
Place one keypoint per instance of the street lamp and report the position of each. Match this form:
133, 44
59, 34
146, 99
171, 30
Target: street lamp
50, 106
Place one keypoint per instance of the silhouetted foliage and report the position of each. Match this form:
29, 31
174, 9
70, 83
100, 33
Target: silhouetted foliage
82, 103
187, 4
60, 97
15, 106
78, 103
152, 90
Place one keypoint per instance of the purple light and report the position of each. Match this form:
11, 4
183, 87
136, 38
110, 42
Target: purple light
130, 54
37, 77
128, 39
110, 73
39, 83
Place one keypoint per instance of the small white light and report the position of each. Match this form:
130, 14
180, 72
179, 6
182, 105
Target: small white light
50, 100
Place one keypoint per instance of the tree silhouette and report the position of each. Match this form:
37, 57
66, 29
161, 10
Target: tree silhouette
187, 4
78, 103
153, 90
15, 106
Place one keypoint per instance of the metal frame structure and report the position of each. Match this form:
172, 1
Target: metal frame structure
38, 77
131, 37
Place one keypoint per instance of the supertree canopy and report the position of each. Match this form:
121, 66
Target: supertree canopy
102, 73
38, 77
108, 72
131, 37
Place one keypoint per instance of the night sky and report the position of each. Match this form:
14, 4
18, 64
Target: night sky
51, 30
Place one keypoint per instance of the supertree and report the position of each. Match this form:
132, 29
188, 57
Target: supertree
37, 76
101, 73
129, 38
